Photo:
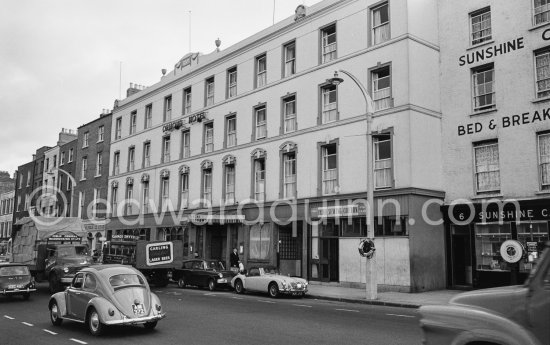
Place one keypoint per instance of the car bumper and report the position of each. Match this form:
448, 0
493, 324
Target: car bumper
226, 281
293, 291
16, 291
136, 321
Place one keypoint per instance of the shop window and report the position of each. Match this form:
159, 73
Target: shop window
329, 228
260, 241
290, 248
488, 240
532, 235
391, 226
354, 227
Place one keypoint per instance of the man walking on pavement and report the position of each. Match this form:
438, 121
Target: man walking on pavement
234, 259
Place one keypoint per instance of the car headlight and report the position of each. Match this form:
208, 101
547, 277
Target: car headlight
158, 307
283, 283
66, 269
111, 312
220, 275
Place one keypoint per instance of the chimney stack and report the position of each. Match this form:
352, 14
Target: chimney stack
134, 88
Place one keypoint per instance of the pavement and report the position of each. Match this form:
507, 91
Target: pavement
394, 299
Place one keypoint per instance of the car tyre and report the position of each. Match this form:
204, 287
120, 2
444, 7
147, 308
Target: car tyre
55, 317
273, 290
211, 285
150, 325
94, 323
54, 284
181, 283
239, 288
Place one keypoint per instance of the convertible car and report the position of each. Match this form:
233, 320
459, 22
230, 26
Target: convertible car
15, 279
203, 273
105, 295
267, 279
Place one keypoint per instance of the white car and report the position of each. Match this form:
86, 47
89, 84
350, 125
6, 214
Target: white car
267, 279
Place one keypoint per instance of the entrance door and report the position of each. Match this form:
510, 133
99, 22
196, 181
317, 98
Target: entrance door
328, 254
218, 242
461, 256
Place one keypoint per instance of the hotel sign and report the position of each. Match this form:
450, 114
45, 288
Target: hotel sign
172, 125
341, 211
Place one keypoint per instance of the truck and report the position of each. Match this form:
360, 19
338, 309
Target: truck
53, 249
155, 259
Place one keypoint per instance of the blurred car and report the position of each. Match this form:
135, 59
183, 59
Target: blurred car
508, 315
16, 279
203, 273
104, 295
268, 279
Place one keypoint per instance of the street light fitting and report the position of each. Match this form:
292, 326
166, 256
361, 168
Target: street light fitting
335, 80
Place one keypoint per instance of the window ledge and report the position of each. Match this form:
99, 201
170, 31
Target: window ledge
480, 45
538, 26
96, 176
543, 192
542, 99
487, 196
483, 112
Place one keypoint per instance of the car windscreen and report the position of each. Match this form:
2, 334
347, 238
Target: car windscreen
81, 250
14, 271
270, 270
122, 280
215, 265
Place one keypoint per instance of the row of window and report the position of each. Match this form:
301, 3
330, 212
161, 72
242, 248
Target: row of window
380, 33
6, 206
5, 229
100, 136
328, 183
487, 166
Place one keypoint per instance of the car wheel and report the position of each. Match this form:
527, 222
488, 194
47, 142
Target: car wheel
55, 316
273, 290
26, 296
181, 283
94, 323
239, 288
211, 285
54, 285
150, 325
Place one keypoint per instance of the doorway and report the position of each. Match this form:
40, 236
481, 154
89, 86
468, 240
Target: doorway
461, 256
218, 242
328, 259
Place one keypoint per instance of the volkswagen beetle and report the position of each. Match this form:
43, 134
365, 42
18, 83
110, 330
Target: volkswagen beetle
15, 279
268, 279
104, 295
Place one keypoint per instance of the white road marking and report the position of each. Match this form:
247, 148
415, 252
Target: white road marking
302, 305
210, 294
78, 341
48, 331
263, 300
400, 315
27, 324
9, 317
237, 297
351, 310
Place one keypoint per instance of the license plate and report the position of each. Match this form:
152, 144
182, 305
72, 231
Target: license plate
138, 309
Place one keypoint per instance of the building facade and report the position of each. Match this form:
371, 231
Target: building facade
91, 173
6, 215
23, 190
252, 148
496, 136
66, 177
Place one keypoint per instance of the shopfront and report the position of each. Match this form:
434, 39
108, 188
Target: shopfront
476, 233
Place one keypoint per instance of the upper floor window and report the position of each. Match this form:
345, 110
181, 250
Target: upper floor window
261, 70
99, 164
260, 120
54, 161
487, 169
164, 193
114, 200
146, 154
116, 163
289, 178
208, 137
289, 59
187, 101
229, 183
542, 66
133, 121
85, 139
483, 79
145, 197
148, 116
381, 88
184, 190
541, 12
129, 199
329, 166
118, 128
232, 82
209, 92
29, 178
329, 104
100, 133
259, 179
166, 149
289, 114
328, 43
84, 167
71, 154
167, 108
231, 131
185, 144
207, 186
382, 161
481, 26
131, 158
380, 24
544, 160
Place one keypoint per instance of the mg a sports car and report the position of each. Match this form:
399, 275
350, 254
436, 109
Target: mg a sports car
105, 295
15, 279
267, 279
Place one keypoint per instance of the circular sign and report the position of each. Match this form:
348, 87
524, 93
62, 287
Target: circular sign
511, 251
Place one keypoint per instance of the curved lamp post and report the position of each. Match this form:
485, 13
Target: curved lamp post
371, 281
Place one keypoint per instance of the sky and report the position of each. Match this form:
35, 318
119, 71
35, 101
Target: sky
63, 61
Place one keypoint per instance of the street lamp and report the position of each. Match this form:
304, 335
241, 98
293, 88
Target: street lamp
371, 285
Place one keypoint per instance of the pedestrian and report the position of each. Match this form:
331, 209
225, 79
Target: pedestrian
234, 258
95, 255
196, 255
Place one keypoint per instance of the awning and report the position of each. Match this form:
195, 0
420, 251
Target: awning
206, 218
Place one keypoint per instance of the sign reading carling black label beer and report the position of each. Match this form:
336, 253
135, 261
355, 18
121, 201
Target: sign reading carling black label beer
159, 253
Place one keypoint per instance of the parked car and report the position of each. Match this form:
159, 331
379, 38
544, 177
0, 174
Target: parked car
268, 279
203, 273
16, 279
505, 316
104, 295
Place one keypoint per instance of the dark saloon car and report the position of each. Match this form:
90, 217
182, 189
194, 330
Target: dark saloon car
104, 295
15, 279
203, 273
